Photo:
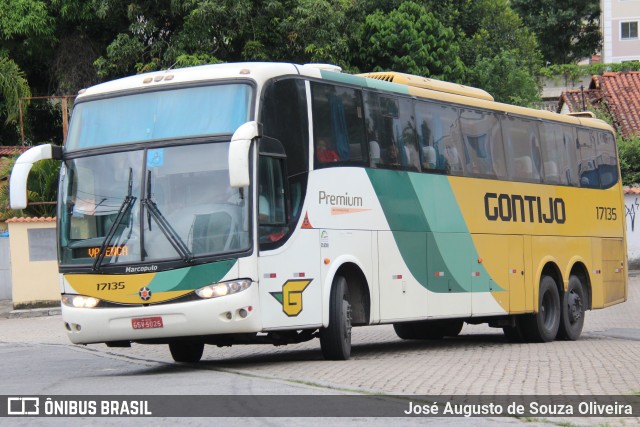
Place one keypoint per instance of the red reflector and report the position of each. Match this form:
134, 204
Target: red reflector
298, 274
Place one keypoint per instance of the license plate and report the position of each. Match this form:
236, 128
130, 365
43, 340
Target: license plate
147, 322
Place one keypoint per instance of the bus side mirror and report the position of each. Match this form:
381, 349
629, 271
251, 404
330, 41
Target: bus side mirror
21, 169
239, 154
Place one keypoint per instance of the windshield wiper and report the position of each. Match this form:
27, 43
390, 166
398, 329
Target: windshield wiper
166, 228
127, 203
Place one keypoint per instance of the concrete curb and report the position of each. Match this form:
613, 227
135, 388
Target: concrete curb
34, 312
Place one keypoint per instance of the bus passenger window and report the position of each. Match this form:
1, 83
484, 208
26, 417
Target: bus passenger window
391, 132
559, 154
522, 148
607, 159
338, 124
587, 169
483, 151
439, 138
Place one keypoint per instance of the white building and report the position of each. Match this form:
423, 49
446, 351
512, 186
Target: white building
620, 22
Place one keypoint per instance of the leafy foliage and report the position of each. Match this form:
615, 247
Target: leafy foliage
629, 153
66, 45
43, 189
13, 86
505, 80
410, 39
567, 30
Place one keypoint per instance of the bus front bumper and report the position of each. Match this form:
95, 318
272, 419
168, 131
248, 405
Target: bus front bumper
237, 313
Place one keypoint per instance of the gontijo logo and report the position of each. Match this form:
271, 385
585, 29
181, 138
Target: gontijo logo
524, 208
291, 296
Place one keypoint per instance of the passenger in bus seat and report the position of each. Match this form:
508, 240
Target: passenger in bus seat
392, 156
523, 167
324, 153
429, 158
374, 152
453, 158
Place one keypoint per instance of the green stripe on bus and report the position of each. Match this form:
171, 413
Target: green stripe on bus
189, 278
429, 230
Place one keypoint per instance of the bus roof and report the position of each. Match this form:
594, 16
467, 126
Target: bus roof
407, 84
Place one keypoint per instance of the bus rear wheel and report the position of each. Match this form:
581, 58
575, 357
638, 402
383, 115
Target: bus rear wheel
186, 351
405, 330
573, 310
543, 325
335, 339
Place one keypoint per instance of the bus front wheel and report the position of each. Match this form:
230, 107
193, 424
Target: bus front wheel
186, 351
543, 325
335, 339
573, 306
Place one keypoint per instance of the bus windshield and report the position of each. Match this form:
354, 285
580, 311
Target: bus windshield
169, 203
175, 113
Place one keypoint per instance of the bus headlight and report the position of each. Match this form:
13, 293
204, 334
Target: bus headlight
80, 301
222, 289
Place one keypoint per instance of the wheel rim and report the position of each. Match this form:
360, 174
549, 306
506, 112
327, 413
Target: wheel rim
574, 307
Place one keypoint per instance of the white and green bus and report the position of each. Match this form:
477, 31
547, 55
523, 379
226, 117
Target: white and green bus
276, 203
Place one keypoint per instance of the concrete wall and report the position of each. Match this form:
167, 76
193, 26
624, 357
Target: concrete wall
632, 215
34, 265
5, 267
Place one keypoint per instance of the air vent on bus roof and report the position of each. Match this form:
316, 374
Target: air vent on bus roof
327, 67
582, 114
431, 84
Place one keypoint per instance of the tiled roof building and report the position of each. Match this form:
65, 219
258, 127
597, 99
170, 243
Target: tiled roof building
618, 93
11, 150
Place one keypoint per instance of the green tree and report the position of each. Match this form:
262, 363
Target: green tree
492, 36
505, 79
13, 86
568, 30
410, 39
629, 153
42, 185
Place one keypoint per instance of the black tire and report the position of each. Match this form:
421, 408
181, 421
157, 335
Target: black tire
335, 339
543, 325
452, 328
514, 333
573, 311
429, 330
405, 330
186, 351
